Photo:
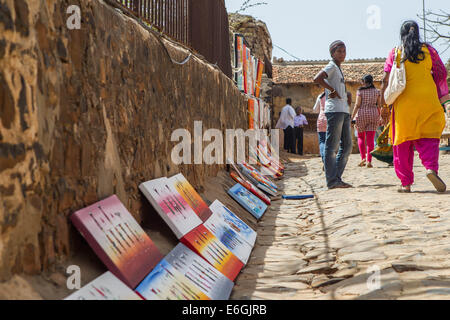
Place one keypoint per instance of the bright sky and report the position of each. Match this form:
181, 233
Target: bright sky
370, 28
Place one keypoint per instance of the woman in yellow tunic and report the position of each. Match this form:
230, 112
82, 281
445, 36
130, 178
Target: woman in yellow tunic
417, 115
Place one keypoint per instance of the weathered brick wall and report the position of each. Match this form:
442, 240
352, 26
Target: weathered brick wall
86, 114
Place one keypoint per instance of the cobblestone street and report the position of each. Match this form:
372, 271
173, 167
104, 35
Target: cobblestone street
333, 246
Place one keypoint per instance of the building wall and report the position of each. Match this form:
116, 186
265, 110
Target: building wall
89, 113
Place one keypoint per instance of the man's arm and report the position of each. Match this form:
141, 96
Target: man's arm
305, 121
292, 113
320, 80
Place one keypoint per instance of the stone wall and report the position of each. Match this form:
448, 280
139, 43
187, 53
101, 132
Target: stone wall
89, 113
255, 32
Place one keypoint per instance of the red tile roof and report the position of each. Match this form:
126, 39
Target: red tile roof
304, 72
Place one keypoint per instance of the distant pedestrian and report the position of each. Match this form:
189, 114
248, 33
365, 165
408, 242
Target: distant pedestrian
321, 123
337, 111
286, 122
299, 122
417, 115
367, 118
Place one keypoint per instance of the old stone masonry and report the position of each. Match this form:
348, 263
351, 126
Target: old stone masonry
368, 242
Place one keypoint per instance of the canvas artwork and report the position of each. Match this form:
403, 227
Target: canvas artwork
261, 113
209, 280
257, 173
247, 200
105, 287
257, 180
232, 240
250, 187
264, 151
171, 206
185, 189
269, 170
245, 67
250, 75
117, 239
256, 124
239, 53
251, 114
167, 283
255, 74
235, 223
204, 243
260, 70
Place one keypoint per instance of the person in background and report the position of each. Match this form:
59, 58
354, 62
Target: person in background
337, 111
321, 123
367, 118
417, 118
299, 122
286, 122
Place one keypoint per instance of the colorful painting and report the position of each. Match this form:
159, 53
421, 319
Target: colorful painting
239, 53
260, 175
209, 280
248, 201
105, 287
259, 73
258, 180
251, 114
167, 283
229, 238
250, 75
185, 189
208, 246
250, 187
256, 123
235, 223
171, 206
117, 239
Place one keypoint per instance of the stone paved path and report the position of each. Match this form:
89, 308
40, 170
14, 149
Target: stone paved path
336, 245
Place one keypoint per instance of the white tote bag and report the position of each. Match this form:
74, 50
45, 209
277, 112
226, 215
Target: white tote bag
397, 79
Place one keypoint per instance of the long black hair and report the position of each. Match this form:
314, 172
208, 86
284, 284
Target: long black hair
409, 33
368, 80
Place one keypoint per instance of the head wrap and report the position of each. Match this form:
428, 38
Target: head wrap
336, 44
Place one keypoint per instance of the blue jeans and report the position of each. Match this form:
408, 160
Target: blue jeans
322, 139
339, 135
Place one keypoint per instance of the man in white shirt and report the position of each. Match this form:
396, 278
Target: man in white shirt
286, 122
299, 122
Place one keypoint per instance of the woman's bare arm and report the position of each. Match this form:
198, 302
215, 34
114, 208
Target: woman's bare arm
357, 106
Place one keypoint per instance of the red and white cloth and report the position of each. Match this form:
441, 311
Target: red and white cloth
368, 116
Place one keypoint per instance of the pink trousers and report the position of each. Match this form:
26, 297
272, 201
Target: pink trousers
428, 150
366, 143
